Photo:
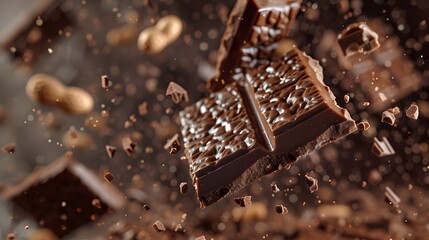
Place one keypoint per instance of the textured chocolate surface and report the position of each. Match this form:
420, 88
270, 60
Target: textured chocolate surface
253, 31
228, 145
61, 196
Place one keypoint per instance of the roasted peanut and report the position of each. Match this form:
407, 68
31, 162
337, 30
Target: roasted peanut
154, 39
47, 90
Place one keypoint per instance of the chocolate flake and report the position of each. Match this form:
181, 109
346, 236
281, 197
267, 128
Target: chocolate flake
9, 148
142, 109
105, 83
183, 187
128, 145
312, 183
108, 176
346, 98
358, 38
391, 197
173, 144
245, 201
382, 148
388, 117
177, 93
280, 209
412, 111
111, 150
363, 126
158, 226
274, 188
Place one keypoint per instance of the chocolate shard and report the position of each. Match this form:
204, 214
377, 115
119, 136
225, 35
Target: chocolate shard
177, 93
183, 187
391, 197
128, 145
274, 188
253, 31
111, 150
173, 144
358, 38
9, 148
108, 176
69, 188
363, 126
280, 209
105, 83
245, 201
395, 74
249, 129
388, 117
158, 226
312, 183
382, 148
412, 111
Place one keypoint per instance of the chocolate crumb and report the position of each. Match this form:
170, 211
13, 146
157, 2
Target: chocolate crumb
111, 150
274, 188
388, 117
133, 118
11, 236
363, 126
177, 93
391, 197
312, 183
173, 144
365, 104
9, 148
183, 187
280, 209
178, 228
168, 111
108, 176
200, 238
96, 203
128, 145
105, 82
412, 111
346, 98
245, 201
128, 124
142, 109
394, 110
158, 226
146, 207
382, 148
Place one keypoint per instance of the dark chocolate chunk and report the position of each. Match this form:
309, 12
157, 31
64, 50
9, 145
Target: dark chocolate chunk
412, 111
108, 176
64, 188
280, 209
274, 188
382, 77
111, 150
391, 197
128, 145
277, 113
183, 187
253, 31
363, 126
158, 226
388, 117
312, 183
105, 83
358, 38
177, 93
173, 144
382, 148
245, 201
9, 148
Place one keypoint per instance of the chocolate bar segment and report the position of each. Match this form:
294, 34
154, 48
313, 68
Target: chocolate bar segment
61, 196
381, 77
272, 116
253, 31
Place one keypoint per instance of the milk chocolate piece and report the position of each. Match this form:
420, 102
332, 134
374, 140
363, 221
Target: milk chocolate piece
391, 197
312, 183
276, 113
382, 148
412, 111
280, 209
30, 28
253, 31
177, 93
60, 196
358, 38
388, 117
381, 77
158, 226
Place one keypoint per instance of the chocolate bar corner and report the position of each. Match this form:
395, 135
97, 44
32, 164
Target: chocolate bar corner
64, 196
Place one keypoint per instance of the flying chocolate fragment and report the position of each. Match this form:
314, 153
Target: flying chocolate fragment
358, 38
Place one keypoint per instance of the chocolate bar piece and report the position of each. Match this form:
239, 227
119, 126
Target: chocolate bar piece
358, 38
30, 27
275, 114
253, 31
381, 77
62, 196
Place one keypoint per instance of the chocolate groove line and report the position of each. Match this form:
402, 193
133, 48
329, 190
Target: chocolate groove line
263, 131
